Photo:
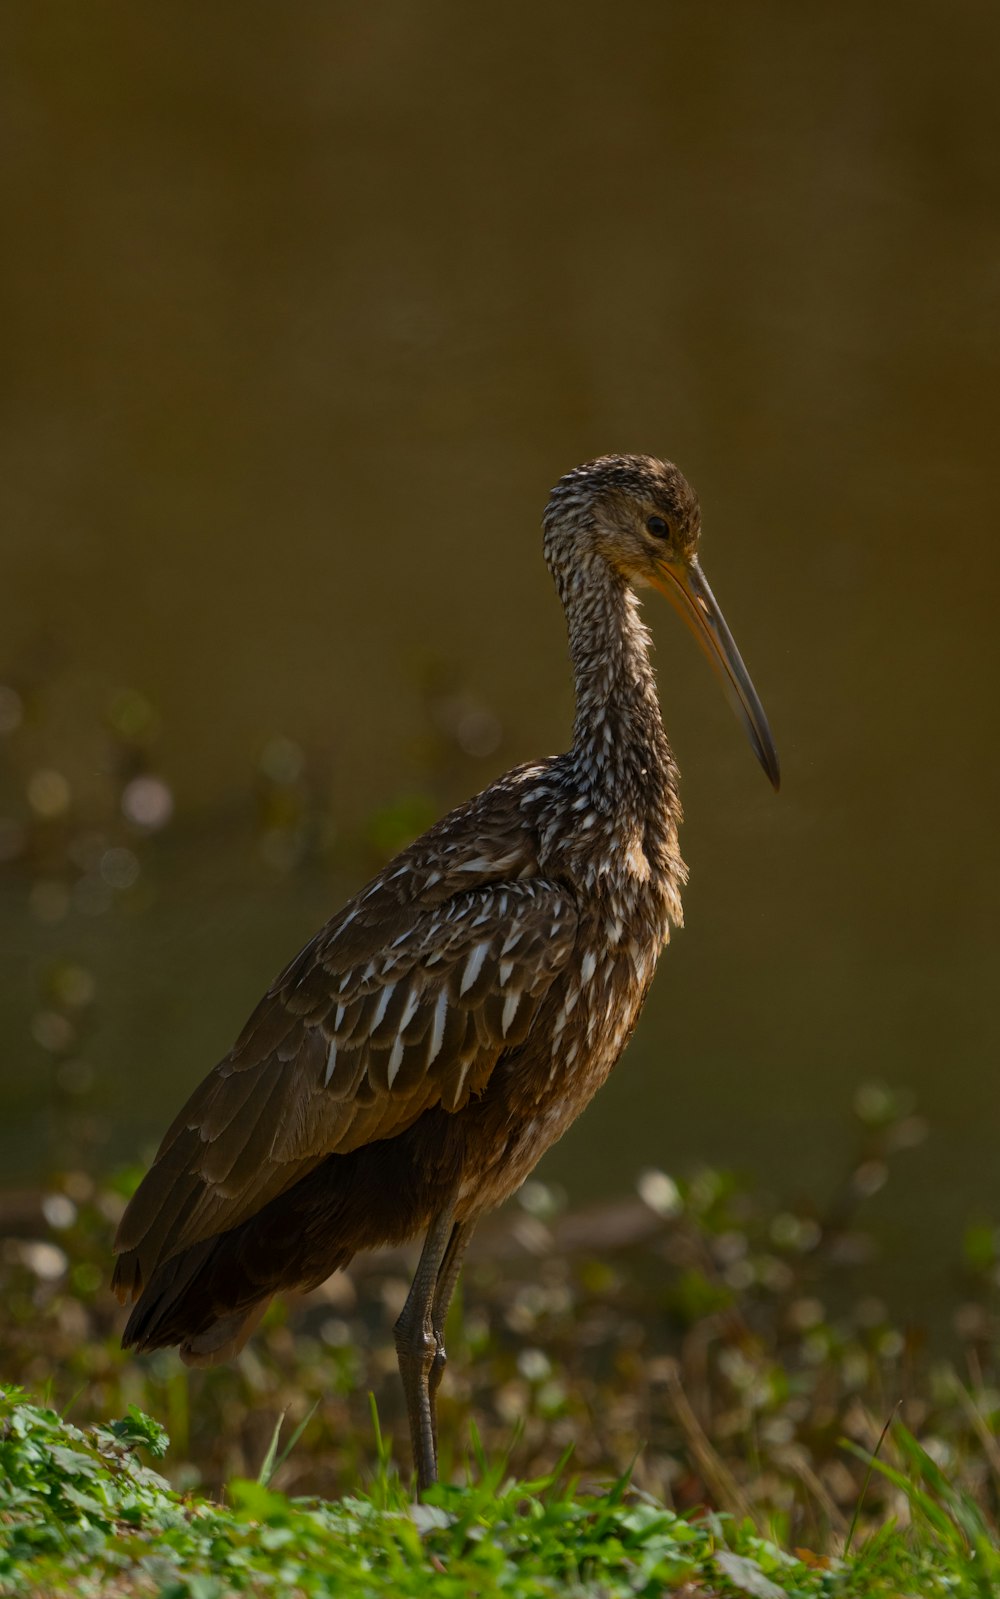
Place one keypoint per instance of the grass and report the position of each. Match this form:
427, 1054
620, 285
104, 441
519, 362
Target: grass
80, 1513
724, 1341
783, 1443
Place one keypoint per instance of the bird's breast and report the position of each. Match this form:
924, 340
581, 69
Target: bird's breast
577, 1038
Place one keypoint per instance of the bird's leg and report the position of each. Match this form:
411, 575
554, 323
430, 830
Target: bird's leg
416, 1344
451, 1265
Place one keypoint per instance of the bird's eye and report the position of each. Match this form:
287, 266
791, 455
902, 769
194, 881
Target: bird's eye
657, 526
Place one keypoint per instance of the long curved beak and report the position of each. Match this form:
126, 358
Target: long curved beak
684, 585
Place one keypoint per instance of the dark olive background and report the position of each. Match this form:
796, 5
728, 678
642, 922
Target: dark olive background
306, 307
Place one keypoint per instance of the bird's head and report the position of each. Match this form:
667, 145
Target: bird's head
641, 518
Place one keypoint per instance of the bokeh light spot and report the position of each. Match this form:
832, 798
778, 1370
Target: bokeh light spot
72, 986
54, 1032
48, 793
132, 717
119, 867
147, 803
282, 760
659, 1192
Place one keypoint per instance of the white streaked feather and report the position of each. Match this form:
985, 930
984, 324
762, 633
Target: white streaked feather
409, 1009
331, 1061
506, 967
437, 1027
473, 966
382, 1006
395, 1060
456, 1092
509, 1011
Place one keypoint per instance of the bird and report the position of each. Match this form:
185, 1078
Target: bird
407, 1070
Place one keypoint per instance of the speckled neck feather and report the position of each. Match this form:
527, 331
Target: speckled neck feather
620, 754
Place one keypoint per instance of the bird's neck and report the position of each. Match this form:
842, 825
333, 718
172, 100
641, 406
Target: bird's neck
620, 756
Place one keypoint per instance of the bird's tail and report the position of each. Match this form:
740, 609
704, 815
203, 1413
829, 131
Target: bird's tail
208, 1296
207, 1299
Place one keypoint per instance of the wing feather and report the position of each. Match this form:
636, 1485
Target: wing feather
391, 1010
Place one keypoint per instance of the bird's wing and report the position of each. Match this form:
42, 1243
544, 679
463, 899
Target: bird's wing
392, 1009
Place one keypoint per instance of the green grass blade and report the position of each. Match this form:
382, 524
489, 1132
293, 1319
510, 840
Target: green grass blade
868, 1477
267, 1469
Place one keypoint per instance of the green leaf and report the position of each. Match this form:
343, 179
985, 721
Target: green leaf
746, 1575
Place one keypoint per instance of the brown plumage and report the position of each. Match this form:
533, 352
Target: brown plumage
414, 1061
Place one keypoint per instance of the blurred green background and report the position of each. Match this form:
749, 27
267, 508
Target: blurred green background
305, 309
